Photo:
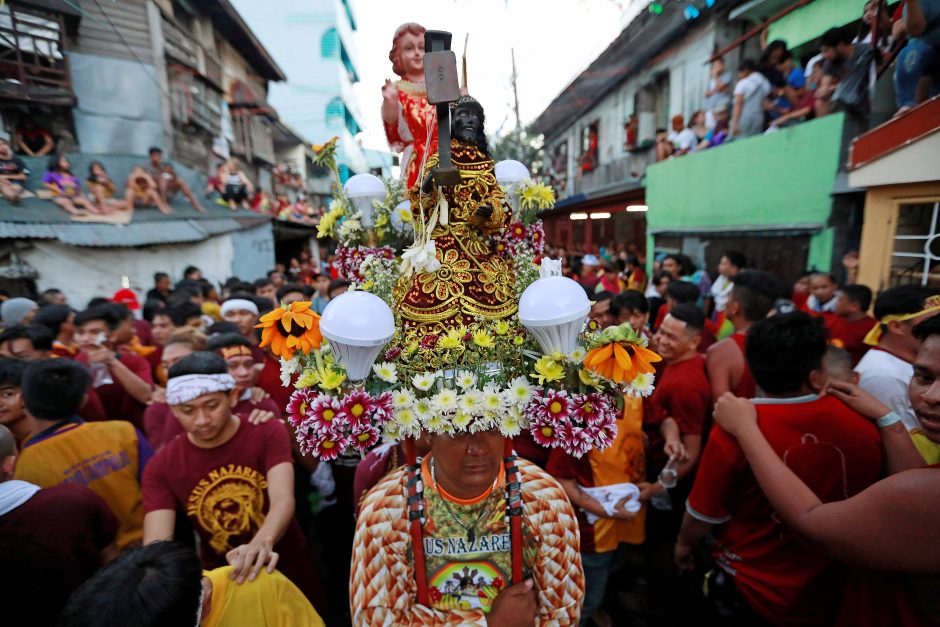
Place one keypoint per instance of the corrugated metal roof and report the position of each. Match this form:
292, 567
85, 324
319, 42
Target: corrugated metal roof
15, 230
133, 234
220, 225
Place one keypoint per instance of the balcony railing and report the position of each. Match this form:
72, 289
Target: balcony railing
629, 168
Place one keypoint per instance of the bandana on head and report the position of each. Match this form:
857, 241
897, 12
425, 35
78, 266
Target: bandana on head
238, 350
239, 304
931, 305
189, 387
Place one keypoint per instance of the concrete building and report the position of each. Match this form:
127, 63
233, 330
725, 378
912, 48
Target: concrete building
314, 41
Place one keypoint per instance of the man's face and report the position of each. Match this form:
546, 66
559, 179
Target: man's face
844, 306
88, 334
125, 332
244, 319
924, 389
600, 311
662, 286
22, 349
671, 266
829, 54
726, 268
469, 461
323, 284
242, 369
636, 319
156, 158
467, 124
674, 339
11, 405
162, 328
5, 152
822, 288
293, 297
206, 417
163, 284
173, 353
267, 291
277, 280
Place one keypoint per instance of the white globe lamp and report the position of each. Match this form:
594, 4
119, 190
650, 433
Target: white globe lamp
511, 174
554, 309
397, 223
362, 189
357, 325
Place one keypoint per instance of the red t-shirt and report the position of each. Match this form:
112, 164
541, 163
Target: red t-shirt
746, 387
161, 426
836, 452
269, 380
683, 393
49, 546
223, 491
851, 334
118, 404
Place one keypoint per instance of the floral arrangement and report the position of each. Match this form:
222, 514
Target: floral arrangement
349, 260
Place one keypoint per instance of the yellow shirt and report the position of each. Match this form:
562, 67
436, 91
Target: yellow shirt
268, 601
929, 449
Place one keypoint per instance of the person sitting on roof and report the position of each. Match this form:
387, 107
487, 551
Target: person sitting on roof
65, 188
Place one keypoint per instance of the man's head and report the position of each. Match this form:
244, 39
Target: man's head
7, 454
467, 120
823, 286
277, 278
12, 408
201, 393
242, 311
156, 585
899, 309
746, 67
753, 295
125, 330
632, 307
161, 282
183, 342
600, 310
680, 333
731, 263
661, 280
924, 389
53, 296
680, 292
29, 343
156, 155
785, 352
322, 283
5, 151
235, 349
675, 265
836, 44
291, 293
265, 289
54, 389
192, 273
837, 362
853, 299
95, 327
15, 311
59, 319
611, 271
468, 462
337, 287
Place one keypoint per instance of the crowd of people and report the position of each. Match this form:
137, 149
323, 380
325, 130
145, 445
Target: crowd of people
159, 426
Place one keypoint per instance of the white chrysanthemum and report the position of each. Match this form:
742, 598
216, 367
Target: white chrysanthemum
492, 400
520, 391
444, 401
435, 423
462, 419
642, 385
466, 379
392, 431
423, 382
386, 371
577, 355
335, 205
511, 424
423, 408
471, 402
403, 399
289, 367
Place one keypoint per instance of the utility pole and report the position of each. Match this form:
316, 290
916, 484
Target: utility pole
515, 95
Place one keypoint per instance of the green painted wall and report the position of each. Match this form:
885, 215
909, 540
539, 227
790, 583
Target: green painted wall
814, 19
777, 179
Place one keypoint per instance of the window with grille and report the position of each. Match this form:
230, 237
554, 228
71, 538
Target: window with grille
915, 258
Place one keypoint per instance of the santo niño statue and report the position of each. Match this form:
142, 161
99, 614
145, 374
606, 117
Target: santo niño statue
472, 281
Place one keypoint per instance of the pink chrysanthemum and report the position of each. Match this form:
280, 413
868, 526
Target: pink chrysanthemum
357, 408
325, 413
516, 231
545, 432
602, 436
552, 404
328, 446
299, 406
363, 437
382, 407
574, 440
591, 409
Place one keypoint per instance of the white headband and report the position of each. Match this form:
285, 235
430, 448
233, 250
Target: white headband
189, 387
239, 304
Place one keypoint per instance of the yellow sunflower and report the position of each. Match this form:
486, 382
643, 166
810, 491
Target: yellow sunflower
291, 328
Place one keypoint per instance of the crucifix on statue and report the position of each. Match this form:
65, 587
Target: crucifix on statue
440, 76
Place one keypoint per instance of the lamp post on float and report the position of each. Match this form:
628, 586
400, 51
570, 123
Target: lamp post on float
362, 190
554, 310
511, 174
357, 325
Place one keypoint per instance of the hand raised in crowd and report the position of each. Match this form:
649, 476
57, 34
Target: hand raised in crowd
858, 399
514, 607
676, 450
100, 355
247, 560
734, 414
258, 395
260, 416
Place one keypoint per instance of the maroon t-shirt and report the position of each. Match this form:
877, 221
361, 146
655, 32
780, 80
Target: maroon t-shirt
118, 404
682, 392
223, 491
49, 546
851, 334
269, 380
161, 426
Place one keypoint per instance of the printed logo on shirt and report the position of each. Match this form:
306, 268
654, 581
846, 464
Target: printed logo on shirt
466, 586
92, 468
228, 503
463, 547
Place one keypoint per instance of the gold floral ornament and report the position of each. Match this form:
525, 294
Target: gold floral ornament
291, 328
449, 278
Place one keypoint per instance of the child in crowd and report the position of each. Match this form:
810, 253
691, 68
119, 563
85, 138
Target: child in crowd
852, 323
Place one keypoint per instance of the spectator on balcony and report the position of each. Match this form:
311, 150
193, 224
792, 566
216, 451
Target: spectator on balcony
750, 92
65, 188
920, 58
717, 92
102, 189
841, 58
12, 173
699, 126
237, 188
769, 61
664, 147
797, 103
33, 140
682, 137
877, 17
215, 186
718, 134
168, 183
142, 191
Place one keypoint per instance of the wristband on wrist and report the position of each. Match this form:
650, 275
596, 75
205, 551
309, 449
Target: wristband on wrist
887, 420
